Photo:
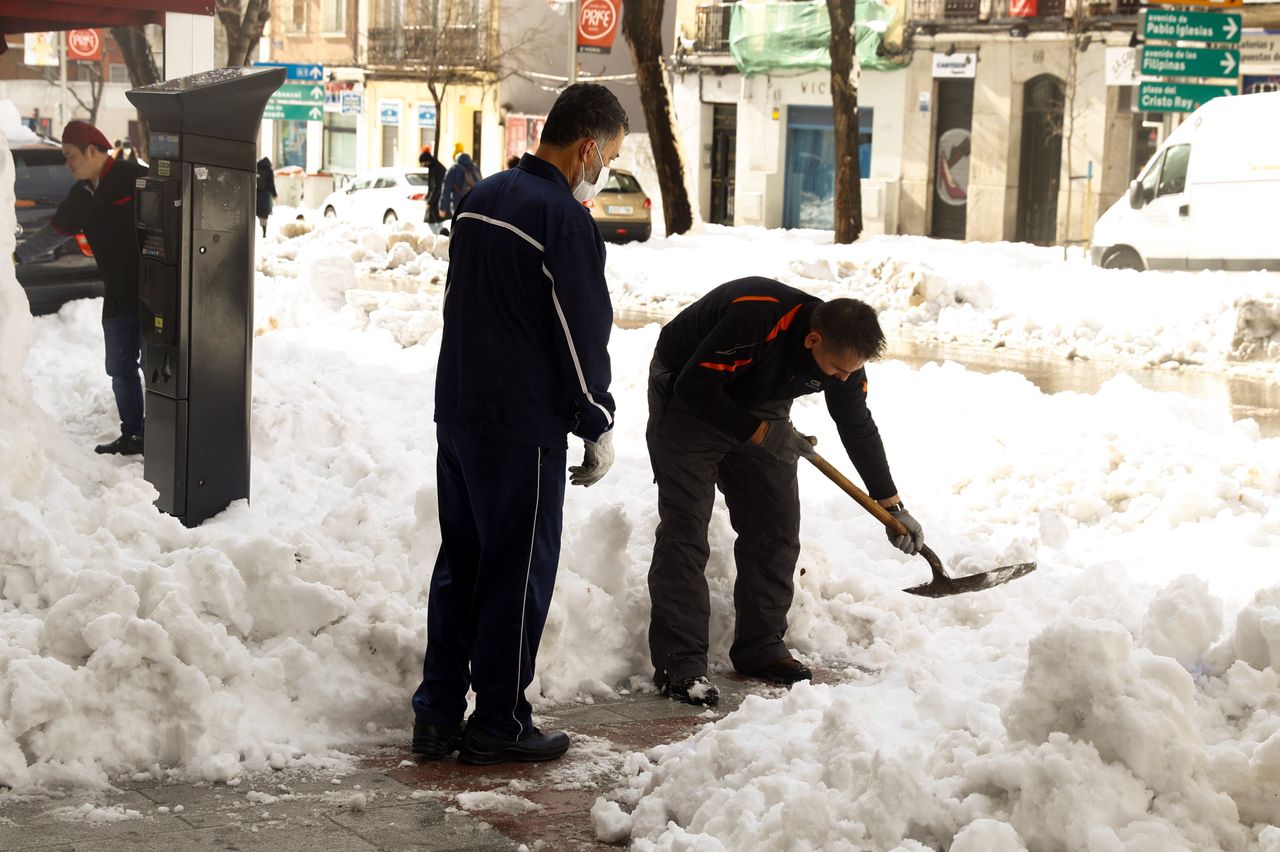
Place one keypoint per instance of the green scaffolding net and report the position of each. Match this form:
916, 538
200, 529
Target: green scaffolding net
795, 36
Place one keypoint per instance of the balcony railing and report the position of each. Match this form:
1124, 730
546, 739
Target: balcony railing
713, 28
1014, 10
409, 46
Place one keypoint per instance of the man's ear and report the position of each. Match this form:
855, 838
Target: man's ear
812, 339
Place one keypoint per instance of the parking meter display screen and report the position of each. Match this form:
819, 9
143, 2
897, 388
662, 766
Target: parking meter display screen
164, 146
150, 211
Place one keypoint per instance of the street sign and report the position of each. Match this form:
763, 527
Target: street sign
299, 93
1179, 97
1190, 62
313, 73
1214, 4
293, 112
1168, 25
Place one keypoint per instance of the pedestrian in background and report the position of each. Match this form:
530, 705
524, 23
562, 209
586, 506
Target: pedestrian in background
435, 181
266, 192
524, 361
100, 204
458, 181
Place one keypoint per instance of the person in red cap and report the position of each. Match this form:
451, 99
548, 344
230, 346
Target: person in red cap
100, 205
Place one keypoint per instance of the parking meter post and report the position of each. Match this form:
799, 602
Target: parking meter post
195, 222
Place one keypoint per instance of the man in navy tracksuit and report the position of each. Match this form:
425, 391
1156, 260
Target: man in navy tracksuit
523, 362
723, 377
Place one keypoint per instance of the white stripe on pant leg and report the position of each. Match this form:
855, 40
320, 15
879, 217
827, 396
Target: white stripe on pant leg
524, 603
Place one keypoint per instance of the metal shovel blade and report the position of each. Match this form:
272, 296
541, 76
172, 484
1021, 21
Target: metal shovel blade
942, 586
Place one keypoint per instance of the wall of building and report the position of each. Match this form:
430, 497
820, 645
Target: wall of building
762, 102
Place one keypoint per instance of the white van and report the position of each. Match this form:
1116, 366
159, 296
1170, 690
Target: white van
1208, 199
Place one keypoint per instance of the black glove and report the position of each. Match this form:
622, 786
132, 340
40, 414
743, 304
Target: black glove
909, 544
785, 443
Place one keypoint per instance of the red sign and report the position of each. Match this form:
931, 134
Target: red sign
84, 45
597, 25
1023, 9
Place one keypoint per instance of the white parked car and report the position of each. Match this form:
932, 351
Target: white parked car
381, 195
1209, 197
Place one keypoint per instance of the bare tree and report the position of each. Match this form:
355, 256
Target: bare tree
243, 22
143, 70
449, 43
844, 102
642, 28
92, 70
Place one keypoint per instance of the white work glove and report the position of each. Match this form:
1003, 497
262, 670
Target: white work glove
908, 544
597, 458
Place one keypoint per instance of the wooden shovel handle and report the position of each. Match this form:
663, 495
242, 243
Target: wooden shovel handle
881, 514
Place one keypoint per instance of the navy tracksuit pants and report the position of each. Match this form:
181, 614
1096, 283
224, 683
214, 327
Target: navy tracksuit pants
501, 510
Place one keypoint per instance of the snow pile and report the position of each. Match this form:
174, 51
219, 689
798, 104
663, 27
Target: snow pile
1120, 697
1014, 297
1098, 748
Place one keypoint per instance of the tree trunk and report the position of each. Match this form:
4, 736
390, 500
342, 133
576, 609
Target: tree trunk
642, 27
143, 71
243, 29
844, 101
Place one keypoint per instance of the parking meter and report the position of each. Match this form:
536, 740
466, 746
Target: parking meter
195, 223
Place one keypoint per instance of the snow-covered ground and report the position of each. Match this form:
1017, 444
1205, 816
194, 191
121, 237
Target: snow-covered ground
1124, 696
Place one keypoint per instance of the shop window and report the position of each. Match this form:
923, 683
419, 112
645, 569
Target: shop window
339, 143
291, 144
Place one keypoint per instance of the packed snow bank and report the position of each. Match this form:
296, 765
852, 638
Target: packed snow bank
1014, 297
281, 632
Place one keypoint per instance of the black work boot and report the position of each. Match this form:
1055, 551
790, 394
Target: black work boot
785, 672
432, 741
697, 691
125, 445
481, 748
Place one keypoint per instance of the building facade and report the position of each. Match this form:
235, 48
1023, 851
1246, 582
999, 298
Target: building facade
978, 119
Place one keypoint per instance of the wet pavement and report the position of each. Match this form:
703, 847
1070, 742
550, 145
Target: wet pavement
390, 801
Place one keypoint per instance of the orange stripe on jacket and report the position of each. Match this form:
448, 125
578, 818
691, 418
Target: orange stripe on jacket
784, 323
729, 368
755, 299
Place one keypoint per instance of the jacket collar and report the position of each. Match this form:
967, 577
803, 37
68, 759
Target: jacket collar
542, 168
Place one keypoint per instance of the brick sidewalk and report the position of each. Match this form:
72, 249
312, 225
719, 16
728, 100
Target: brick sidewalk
389, 802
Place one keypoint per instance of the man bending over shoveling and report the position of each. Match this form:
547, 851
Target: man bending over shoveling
720, 389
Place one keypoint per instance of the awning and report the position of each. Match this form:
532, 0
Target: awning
34, 16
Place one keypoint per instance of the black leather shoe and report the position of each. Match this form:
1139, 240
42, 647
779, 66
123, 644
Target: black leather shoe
697, 691
125, 445
785, 671
481, 748
433, 741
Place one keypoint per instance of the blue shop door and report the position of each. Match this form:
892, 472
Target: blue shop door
809, 195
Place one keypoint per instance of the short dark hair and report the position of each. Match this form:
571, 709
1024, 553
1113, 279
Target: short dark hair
848, 325
584, 110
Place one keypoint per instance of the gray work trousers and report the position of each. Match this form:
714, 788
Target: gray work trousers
690, 458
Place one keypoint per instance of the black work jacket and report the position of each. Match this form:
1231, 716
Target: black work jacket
741, 348
106, 216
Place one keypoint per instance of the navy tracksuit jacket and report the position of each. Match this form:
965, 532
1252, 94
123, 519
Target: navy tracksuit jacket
523, 362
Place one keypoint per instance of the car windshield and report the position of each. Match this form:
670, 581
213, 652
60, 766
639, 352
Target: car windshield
41, 175
618, 182
416, 178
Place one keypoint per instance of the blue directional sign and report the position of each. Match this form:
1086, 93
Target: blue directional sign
309, 73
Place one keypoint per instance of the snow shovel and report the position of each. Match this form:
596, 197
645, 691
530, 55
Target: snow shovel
941, 585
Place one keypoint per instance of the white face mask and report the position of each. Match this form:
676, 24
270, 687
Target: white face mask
586, 191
